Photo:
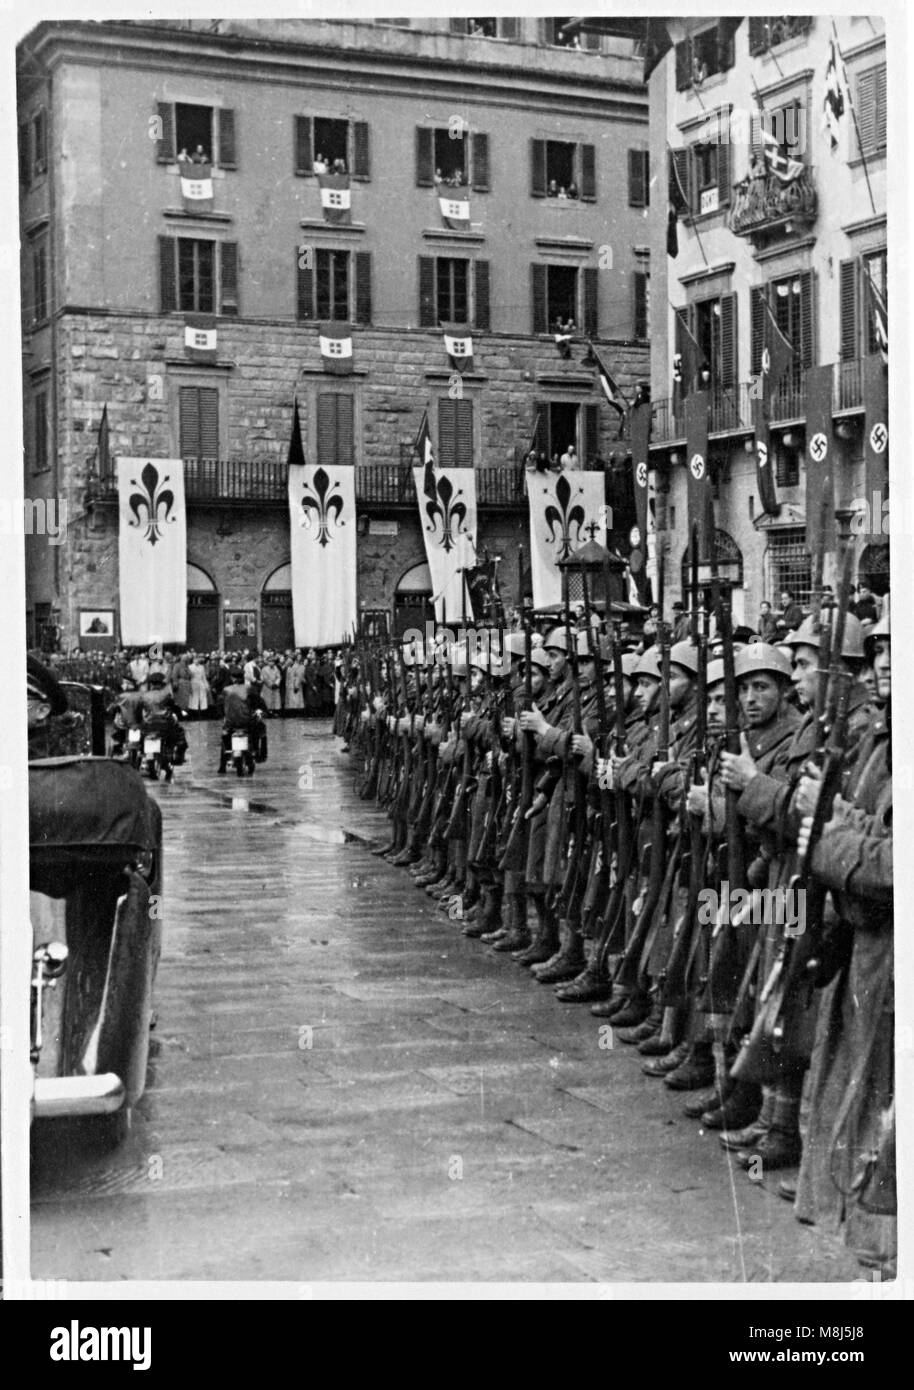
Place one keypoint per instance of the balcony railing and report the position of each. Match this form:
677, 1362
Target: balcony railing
763, 203
730, 413
849, 385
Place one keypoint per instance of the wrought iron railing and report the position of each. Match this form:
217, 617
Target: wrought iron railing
765, 201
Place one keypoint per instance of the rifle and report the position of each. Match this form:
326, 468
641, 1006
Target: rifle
603, 827
514, 858
569, 894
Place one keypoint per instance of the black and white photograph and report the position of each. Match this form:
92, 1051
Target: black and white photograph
454, 607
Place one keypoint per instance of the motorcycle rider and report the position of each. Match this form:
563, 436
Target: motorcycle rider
243, 707
128, 714
160, 713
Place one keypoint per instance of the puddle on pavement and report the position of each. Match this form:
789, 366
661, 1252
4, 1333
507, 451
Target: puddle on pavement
313, 830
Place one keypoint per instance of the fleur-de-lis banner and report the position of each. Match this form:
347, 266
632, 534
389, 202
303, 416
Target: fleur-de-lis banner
322, 543
563, 507
447, 515
152, 550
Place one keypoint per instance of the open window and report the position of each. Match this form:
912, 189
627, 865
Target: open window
201, 134
328, 144
563, 294
562, 169
453, 156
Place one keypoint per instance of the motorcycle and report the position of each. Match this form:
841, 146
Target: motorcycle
242, 756
157, 759
96, 891
133, 746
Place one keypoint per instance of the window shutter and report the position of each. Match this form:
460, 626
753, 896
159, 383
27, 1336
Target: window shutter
345, 431
539, 298
326, 431
871, 108
757, 296
480, 162
228, 268
305, 281
541, 430
679, 180
25, 161
227, 152
482, 314
425, 157
304, 154
464, 434
189, 422
880, 107
728, 374
363, 287
591, 432
165, 146
723, 172
807, 318
538, 168
588, 173
683, 65
725, 43
446, 432
361, 150
427, 316
848, 306
168, 285
547, 31
209, 422
510, 28
591, 299
459, 26
640, 284
636, 181
758, 36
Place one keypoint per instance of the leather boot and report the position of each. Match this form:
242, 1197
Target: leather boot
634, 1011
514, 913
439, 885
740, 1107
663, 1042
608, 1008
495, 937
545, 937
588, 986
779, 1148
661, 1065
385, 849
568, 962
736, 1139
701, 1102
488, 918
695, 1072
640, 1032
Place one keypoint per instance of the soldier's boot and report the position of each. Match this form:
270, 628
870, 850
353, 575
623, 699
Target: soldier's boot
737, 1139
587, 987
702, 1103
662, 1043
740, 1107
635, 1010
648, 1029
781, 1147
437, 866
618, 998
398, 842
487, 918
410, 853
514, 913
660, 1066
495, 928
545, 937
695, 1071
567, 964
383, 850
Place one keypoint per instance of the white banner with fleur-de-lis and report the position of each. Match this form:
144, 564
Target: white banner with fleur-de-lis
152, 550
322, 544
566, 510
447, 515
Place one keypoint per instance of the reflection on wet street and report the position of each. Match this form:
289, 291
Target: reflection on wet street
344, 1087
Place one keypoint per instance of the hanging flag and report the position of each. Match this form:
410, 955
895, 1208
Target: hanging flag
152, 550
447, 515
103, 448
196, 186
764, 468
777, 357
336, 347
820, 487
784, 168
458, 344
640, 438
678, 198
698, 477
200, 337
335, 198
614, 396
672, 233
322, 545
833, 102
687, 362
566, 509
875, 433
454, 203
879, 313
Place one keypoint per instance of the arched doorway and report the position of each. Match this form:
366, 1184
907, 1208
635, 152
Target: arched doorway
277, 631
729, 559
413, 599
202, 611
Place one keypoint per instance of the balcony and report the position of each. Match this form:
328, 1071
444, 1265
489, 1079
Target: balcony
730, 413
764, 205
263, 482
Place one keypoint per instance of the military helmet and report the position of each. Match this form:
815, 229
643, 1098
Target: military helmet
648, 664
881, 629
557, 639
809, 632
715, 673
685, 654
539, 658
515, 644
630, 661
584, 648
761, 656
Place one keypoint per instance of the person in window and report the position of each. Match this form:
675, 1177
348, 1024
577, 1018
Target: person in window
570, 461
573, 190
562, 193
339, 166
767, 623
553, 189
183, 157
320, 164
865, 606
791, 612
199, 156
457, 178
439, 177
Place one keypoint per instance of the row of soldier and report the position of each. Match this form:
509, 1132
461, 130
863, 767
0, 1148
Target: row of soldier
696, 843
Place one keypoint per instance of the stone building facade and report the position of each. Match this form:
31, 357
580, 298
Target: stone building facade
115, 256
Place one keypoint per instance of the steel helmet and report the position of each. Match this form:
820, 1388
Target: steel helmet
630, 663
583, 646
514, 644
685, 654
648, 664
761, 656
539, 658
808, 634
715, 673
556, 639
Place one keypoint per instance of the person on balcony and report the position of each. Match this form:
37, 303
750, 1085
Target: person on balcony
570, 461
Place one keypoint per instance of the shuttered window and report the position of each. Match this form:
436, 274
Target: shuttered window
642, 289
849, 335
187, 276
590, 307
726, 373
455, 433
304, 154
362, 287
479, 162
793, 304
361, 150
540, 318
679, 181
228, 278
444, 292
437, 149
40, 280
185, 126
561, 164
25, 154
352, 141
877, 264
331, 284
452, 289
638, 179
196, 275
871, 108
227, 148
40, 459
199, 422
481, 309
335, 430
304, 279
425, 157
40, 142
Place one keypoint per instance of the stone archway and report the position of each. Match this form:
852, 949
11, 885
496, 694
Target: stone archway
203, 633
277, 631
413, 599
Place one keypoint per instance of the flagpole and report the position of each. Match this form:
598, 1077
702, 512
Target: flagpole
850, 102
